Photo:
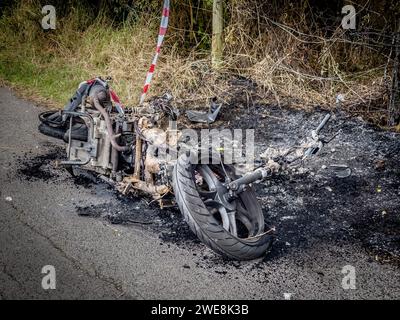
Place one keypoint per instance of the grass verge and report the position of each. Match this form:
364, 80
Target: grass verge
283, 65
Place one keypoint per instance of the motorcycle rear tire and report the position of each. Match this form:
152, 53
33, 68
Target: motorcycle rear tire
55, 132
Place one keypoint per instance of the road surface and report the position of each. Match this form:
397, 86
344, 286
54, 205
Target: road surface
96, 259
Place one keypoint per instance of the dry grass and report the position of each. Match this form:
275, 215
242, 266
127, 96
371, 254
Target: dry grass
290, 64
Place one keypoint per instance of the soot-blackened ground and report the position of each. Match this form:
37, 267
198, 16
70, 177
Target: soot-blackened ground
307, 206
167, 223
312, 205
33, 167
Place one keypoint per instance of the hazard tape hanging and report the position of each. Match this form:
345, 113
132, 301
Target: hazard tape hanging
161, 34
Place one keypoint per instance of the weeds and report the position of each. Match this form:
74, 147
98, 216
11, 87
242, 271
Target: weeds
291, 57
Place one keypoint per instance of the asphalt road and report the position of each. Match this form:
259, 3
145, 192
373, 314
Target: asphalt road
94, 259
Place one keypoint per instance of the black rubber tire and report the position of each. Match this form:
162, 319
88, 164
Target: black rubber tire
205, 226
55, 132
79, 132
52, 118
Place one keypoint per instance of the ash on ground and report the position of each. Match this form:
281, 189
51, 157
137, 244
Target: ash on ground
307, 206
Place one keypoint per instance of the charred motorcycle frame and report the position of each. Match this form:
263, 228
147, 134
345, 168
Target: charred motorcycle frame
138, 150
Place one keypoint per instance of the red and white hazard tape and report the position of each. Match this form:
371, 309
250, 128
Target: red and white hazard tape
161, 34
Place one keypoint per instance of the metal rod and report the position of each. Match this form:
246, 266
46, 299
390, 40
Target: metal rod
323, 123
69, 137
258, 174
73, 162
138, 156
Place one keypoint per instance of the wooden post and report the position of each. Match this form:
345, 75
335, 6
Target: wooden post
217, 33
394, 102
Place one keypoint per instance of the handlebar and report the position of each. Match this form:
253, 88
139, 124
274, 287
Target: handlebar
323, 123
263, 173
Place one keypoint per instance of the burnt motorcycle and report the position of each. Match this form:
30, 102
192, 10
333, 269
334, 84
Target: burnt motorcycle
129, 148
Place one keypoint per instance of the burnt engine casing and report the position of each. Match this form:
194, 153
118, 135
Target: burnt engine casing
96, 152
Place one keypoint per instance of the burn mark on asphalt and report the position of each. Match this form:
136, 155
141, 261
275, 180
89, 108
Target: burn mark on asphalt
168, 223
307, 206
33, 167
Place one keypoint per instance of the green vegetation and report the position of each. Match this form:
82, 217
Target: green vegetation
295, 51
